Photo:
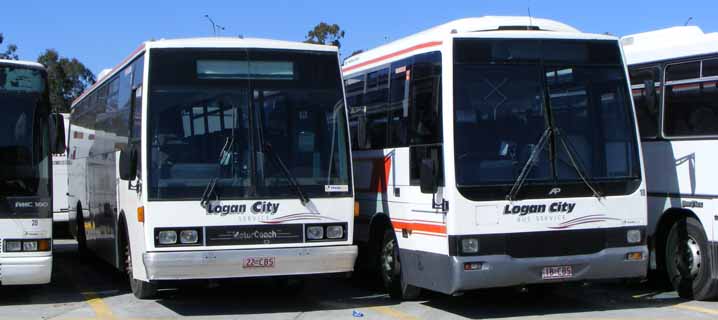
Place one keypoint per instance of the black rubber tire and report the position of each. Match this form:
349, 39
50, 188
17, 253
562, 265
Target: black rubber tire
81, 236
698, 287
390, 269
140, 289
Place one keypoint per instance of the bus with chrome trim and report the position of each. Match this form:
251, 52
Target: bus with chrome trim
495, 152
214, 158
674, 78
29, 134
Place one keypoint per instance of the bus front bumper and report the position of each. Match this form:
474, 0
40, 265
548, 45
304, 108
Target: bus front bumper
504, 271
183, 265
25, 270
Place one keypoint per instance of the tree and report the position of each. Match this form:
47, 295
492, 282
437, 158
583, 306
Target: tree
324, 33
9, 53
67, 79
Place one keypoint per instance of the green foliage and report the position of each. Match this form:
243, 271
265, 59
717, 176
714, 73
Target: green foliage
324, 33
9, 53
67, 78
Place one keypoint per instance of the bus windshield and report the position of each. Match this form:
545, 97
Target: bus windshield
509, 92
24, 137
238, 115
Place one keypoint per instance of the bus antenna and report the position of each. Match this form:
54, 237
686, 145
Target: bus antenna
687, 21
530, 18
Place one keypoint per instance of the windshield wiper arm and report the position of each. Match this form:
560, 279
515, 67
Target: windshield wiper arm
543, 141
293, 181
571, 152
224, 159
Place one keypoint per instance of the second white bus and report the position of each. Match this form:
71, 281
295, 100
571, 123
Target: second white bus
215, 158
674, 73
496, 152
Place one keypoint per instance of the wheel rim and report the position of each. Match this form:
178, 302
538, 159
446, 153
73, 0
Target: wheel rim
689, 257
388, 261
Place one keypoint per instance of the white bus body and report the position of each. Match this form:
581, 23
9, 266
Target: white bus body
444, 121
59, 181
674, 77
243, 165
25, 174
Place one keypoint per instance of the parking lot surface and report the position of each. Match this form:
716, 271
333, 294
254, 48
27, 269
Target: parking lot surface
89, 289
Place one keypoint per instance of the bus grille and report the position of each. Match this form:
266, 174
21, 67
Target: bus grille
553, 244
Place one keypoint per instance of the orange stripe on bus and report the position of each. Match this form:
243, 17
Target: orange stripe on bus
413, 226
391, 55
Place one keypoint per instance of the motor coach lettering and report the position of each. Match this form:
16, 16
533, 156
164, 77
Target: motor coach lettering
556, 207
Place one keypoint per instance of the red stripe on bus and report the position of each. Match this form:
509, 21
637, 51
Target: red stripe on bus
422, 227
391, 55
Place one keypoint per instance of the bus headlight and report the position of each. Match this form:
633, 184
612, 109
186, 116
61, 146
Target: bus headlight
335, 232
13, 246
168, 237
189, 236
315, 233
469, 245
633, 236
29, 246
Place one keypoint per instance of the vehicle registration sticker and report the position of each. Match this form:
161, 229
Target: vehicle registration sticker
259, 262
560, 272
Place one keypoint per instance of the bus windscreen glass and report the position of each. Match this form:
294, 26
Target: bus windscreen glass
249, 108
24, 141
507, 93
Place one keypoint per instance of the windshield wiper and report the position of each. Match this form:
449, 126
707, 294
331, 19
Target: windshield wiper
225, 157
543, 141
302, 196
571, 152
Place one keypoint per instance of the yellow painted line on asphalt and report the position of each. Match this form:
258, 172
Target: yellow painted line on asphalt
102, 311
389, 311
686, 306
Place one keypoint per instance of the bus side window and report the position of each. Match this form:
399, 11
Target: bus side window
691, 103
354, 88
376, 99
398, 110
646, 99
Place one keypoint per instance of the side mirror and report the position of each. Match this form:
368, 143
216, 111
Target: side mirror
361, 128
128, 163
650, 95
427, 176
57, 134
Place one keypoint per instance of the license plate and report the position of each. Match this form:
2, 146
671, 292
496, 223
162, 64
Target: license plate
560, 272
259, 262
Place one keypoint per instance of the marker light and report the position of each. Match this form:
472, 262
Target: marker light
168, 237
634, 256
315, 233
335, 232
189, 236
140, 214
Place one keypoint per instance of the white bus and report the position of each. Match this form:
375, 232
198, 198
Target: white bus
214, 158
59, 185
496, 152
29, 133
674, 75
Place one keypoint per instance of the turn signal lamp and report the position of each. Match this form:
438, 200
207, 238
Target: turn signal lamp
140, 214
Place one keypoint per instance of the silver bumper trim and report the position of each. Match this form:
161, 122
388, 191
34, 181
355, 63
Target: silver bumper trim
179, 265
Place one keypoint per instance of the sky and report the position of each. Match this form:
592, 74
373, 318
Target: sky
101, 33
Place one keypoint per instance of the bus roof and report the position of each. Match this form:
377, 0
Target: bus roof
434, 36
208, 42
30, 64
669, 43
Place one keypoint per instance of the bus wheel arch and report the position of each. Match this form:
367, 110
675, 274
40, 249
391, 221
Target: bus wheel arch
669, 217
379, 223
80, 233
140, 289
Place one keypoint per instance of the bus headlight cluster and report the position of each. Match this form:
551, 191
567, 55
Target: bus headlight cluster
320, 232
178, 236
469, 245
633, 236
28, 245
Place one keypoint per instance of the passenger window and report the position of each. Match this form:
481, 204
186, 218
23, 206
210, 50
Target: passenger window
419, 153
710, 68
425, 113
683, 71
398, 110
691, 109
646, 95
376, 99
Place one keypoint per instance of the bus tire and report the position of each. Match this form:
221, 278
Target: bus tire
688, 262
81, 236
390, 269
140, 289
